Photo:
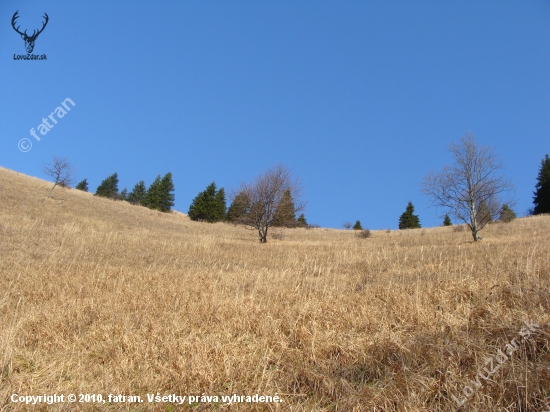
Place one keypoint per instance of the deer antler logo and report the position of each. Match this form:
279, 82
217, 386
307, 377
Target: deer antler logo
29, 40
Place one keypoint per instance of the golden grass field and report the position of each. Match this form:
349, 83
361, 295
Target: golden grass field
99, 296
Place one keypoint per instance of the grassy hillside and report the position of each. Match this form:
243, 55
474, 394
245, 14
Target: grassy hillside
98, 296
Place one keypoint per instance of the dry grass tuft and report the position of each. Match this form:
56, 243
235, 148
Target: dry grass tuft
99, 296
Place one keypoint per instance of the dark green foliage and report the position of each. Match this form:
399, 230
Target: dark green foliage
159, 196
408, 220
138, 193
109, 187
208, 205
153, 195
83, 185
484, 215
506, 214
301, 221
542, 194
221, 204
357, 226
238, 208
123, 195
167, 197
285, 212
447, 221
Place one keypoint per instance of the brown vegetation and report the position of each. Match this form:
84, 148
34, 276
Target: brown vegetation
106, 297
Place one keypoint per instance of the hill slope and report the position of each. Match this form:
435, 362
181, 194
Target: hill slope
98, 296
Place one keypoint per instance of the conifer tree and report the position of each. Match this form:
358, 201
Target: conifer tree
408, 220
484, 215
357, 226
542, 192
447, 221
208, 205
123, 195
238, 208
153, 195
166, 196
109, 187
506, 214
138, 193
83, 185
285, 212
221, 205
301, 221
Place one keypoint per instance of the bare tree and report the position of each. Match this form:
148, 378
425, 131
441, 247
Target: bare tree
261, 198
470, 188
62, 172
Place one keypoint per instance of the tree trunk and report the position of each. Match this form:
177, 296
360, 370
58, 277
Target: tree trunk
51, 190
262, 230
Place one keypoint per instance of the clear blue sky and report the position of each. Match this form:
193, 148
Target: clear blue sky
359, 98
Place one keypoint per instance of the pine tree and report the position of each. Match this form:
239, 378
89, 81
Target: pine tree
542, 194
285, 212
153, 195
301, 221
506, 214
357, 226
83, 185
408, 220
238, 208
109, 187
447, 221
208, 205
138, 193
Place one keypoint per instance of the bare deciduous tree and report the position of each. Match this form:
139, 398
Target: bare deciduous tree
62, 172
470, 188
262, 197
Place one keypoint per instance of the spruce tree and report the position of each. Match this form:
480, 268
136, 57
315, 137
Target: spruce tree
542, 192
506, 214
109, 187
301, 221
357, 226
208, 205
238, 208
153, 195
447, 221
138, 193
408, 220
83, 185
221, 205
285, 212
166, 196
484, 215
123, 195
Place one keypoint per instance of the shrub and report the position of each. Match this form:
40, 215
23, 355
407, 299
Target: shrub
364, 234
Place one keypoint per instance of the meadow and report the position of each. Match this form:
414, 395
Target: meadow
103, 297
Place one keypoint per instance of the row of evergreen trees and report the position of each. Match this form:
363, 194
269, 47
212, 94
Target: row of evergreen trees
158, 196
210, 206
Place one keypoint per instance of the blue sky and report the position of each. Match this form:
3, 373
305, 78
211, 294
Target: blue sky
360, 98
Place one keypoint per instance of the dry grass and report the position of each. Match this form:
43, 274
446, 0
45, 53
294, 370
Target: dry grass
98, 296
